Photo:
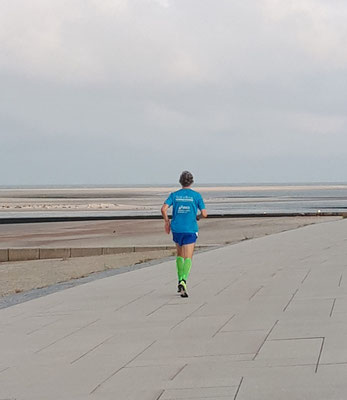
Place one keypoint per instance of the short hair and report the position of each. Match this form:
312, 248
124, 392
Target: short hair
186, 179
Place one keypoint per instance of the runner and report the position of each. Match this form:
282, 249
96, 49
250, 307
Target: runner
185, 205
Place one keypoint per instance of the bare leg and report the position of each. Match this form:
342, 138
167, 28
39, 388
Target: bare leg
179, 251
188, 250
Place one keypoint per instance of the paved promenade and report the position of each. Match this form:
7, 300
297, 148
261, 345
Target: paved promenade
266, 319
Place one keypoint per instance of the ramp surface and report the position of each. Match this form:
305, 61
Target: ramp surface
266, 319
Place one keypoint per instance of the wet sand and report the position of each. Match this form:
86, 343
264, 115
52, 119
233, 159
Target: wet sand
142, 232
23, 276
129, 198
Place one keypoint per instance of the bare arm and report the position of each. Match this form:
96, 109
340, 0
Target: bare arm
203, 214
164, 209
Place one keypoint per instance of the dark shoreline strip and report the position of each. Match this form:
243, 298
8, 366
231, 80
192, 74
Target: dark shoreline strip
25, 220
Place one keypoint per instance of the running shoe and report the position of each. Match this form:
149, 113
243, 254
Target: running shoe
183, 289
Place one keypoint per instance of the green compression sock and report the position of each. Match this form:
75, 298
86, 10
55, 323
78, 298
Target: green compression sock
186, 268
180, 267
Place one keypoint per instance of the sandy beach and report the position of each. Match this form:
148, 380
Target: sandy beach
17, 277
146, 199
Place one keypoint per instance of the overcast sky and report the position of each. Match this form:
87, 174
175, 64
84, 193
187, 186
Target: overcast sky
135, 91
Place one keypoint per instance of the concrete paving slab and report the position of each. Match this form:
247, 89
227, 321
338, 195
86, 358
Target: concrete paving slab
334, 350
266, 319
294, 328
313, 307
205, 374
136, 383
340, 305
291, 351
292, 383
250, 321
227, 392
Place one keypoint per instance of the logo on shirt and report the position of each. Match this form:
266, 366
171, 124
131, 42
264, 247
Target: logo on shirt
184, 198
183, 209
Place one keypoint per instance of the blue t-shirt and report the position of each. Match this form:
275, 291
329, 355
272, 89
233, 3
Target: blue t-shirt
185, 204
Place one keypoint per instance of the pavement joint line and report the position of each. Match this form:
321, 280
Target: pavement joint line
332, 308
223, 288
56, 314
258, 290
334, 363
133, 301
290, 365
194, 397
92, 349
53, 306
273, 327
178, 372
290, 300
158, 308
204, 387
189, 315
225, 323
200, 397
64, 337
43, 326
305, 258
308, 273
320, 354
296, 338
119, 369
245, 330
229, 284
340, 280
207, 387
160, 394
220, 355
148, 366
238, 388
18, 315
197, 284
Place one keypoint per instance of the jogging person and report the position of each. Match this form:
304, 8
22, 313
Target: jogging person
184, 227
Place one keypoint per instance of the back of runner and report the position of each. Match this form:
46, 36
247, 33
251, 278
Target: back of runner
184, 227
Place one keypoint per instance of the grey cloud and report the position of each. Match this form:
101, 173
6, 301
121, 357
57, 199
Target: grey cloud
134, 91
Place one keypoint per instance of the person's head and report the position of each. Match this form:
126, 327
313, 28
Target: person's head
186, 179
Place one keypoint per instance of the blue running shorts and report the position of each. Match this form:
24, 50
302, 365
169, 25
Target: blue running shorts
184, 238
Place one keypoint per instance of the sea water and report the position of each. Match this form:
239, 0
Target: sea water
219, 199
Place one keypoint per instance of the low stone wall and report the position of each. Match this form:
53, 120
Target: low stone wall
25, 254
